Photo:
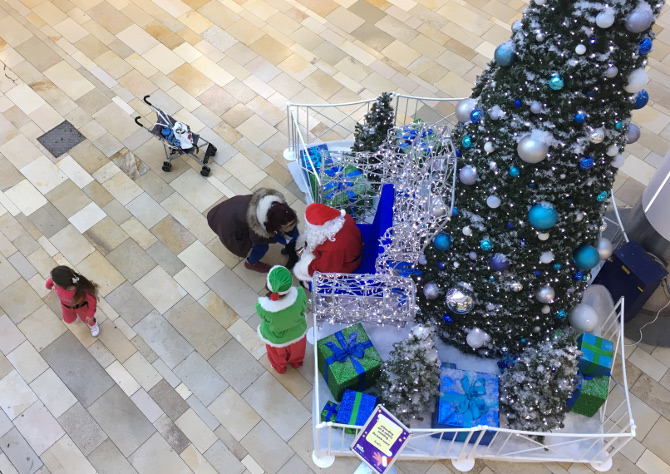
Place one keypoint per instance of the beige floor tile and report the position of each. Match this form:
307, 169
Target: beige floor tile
139, 233
53, 393
234, 413
196, 430
39, 428
648, 364
74, 171
196, 461
292, 380
201, 261
123, 378
87, 217
649, 462
102, 272
248, 337
42, 327
188, 216
122, 188
137, 39
25, 98
117, 343
160, 289
190, 79
64, 457
15, 32
71, 30
25, 197
69, 80
163, 59
191, 283
116, 121
27, 361
219, 309
142, 371
15, 395
248, 174
156, 455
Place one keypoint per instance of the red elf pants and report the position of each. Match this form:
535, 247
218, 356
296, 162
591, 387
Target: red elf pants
292, 354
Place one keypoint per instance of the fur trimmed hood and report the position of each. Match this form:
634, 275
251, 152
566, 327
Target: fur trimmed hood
261, 199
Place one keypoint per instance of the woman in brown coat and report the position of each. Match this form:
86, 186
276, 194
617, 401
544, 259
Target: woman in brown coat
247, 225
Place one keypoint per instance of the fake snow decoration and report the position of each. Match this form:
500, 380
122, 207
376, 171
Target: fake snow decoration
636, 81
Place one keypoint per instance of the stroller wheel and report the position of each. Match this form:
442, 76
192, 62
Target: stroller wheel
167, 166
205, 171
213, 148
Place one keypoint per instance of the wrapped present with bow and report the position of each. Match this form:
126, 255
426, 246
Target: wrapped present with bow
467, 399
347, 359
596, 359
344, 187
355, 409
590, 395
329, 412
312, 159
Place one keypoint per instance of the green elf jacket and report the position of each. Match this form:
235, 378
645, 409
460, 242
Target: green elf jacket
283, 321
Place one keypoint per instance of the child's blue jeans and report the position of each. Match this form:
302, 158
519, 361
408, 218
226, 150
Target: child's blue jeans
257, 252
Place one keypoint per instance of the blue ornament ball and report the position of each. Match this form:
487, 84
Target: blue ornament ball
586, 163
486, 245
509, 225
561, 314
504, 54
499, 262
514, 172
578, 275
645, 46
458, 153
517, 103
442, 241
542, 216
556, 82
476, 115
447, 319
440, 265
466, 142
538, 273
641, 100
557, 266
580, 116
602, 196
454, 212
586, 256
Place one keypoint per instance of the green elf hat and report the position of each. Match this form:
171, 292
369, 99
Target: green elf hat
280, 281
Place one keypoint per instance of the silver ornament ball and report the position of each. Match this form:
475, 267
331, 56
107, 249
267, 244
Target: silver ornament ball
532, 150
431, 290
476, 338
460, 298
611, 72
545, 294
464, 109
604, 248
516, 286
468, 175
597, 135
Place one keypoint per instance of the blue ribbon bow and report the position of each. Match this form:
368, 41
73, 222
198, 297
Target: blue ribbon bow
348, 350
331, 409
468, 406
404, 269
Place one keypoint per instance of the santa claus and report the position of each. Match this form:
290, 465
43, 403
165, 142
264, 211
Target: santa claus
333, 243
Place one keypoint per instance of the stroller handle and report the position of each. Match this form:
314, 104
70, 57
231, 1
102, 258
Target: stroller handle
145, 100
137, 121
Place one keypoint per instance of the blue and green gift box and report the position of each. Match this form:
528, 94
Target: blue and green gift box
467, 399
347, 359
355, 409
596, 359
590, 395
329, 412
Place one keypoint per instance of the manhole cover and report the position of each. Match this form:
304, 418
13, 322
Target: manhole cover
61, 139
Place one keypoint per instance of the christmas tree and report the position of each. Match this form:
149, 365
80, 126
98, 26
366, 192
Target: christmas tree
533, 392
369, 135
539, 142
410, 378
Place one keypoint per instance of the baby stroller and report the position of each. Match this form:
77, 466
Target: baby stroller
177, 137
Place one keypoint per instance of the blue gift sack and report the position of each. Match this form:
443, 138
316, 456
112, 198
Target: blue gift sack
467, 399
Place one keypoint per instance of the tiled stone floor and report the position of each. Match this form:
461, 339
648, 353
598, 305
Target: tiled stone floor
178, 380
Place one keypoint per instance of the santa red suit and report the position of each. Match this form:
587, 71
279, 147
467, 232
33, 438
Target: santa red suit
333, 243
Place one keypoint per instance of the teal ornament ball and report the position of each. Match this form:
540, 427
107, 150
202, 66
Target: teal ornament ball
557, 266
466, 142
602, 196
486, 245
561, 314
618, 126
442, 241
586, 256
514, 172
504, 54
556, 83
542, 216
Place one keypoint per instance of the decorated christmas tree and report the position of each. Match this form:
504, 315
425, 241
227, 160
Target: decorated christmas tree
410, 377
540, 141
533, 392
369, 135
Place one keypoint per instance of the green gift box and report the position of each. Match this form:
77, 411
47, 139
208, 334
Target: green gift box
592, 394
329, 412
347, 359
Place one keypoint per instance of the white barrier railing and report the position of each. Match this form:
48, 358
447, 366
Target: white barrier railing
583, 440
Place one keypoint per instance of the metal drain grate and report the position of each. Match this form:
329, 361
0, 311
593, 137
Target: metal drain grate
61, 139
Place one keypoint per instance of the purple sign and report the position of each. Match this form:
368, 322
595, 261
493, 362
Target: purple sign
380, 441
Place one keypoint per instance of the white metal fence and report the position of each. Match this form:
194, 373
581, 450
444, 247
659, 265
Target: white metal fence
583, 440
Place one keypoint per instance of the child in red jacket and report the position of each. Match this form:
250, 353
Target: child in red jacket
78, 296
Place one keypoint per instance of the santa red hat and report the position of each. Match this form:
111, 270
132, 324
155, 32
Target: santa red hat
319, 214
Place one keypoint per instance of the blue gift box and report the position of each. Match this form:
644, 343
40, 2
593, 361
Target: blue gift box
467, 399
355, 408
315, 153
596, 359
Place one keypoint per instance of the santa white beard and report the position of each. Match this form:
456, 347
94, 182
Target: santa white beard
315, 235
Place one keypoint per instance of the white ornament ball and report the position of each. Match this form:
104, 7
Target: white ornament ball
516, 26
543, 236
640, 18
613, 150
562, 176
546, 309
597, 135
605, 19
488, 147
532, 150
438, 210
468, 175
496, 112
604, 247
493, 202
422, 259
579, 216
636, 81
547, 257
540, 2
583, 318
472, 255
618, 161
467, 231
456, 264
580, 49
611, 72
536, 107
540, 37
545, 294
476, 338
464, 108
493, 165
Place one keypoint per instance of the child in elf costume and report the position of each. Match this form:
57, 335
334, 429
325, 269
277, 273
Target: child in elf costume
283, 324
